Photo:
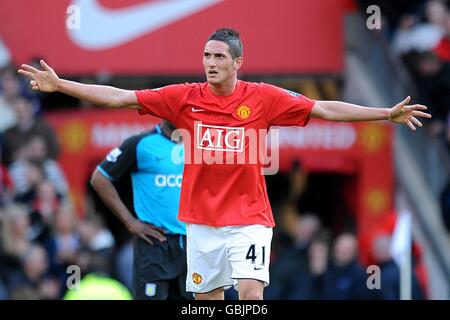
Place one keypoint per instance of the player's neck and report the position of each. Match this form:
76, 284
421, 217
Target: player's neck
166, 130
223, 89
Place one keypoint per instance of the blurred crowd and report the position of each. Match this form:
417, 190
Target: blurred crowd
422, 41
419, 35
40, 233
316, 260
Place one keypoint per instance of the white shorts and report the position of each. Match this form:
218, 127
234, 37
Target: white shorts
220, 256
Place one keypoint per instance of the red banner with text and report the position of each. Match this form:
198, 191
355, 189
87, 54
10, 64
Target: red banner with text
168, 36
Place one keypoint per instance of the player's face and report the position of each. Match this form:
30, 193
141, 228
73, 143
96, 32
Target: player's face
218, 63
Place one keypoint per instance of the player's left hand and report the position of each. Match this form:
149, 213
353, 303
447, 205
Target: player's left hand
405, 114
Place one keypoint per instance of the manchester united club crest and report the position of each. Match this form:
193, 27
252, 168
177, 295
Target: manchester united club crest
196, 278
243, 112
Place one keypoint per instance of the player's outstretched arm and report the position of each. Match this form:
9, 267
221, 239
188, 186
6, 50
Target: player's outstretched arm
46, 80
341, 111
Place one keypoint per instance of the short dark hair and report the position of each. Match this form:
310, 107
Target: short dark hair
231, 37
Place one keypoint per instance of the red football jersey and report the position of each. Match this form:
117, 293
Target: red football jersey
222, 183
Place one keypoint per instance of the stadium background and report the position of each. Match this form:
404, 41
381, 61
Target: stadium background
336, 179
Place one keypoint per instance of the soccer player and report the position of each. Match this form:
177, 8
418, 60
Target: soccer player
226, 207
159, 266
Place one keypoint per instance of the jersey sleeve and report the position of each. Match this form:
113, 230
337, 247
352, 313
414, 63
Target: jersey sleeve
164, 102
284, 107
121, 160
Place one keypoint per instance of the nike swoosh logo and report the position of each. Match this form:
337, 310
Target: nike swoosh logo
258, 268
102, 28
196, 110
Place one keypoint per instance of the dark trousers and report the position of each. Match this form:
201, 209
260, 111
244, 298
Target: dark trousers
159, 270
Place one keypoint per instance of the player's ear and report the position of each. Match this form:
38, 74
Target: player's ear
238, 63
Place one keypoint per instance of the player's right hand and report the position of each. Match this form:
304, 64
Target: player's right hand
45, 80
146, 231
